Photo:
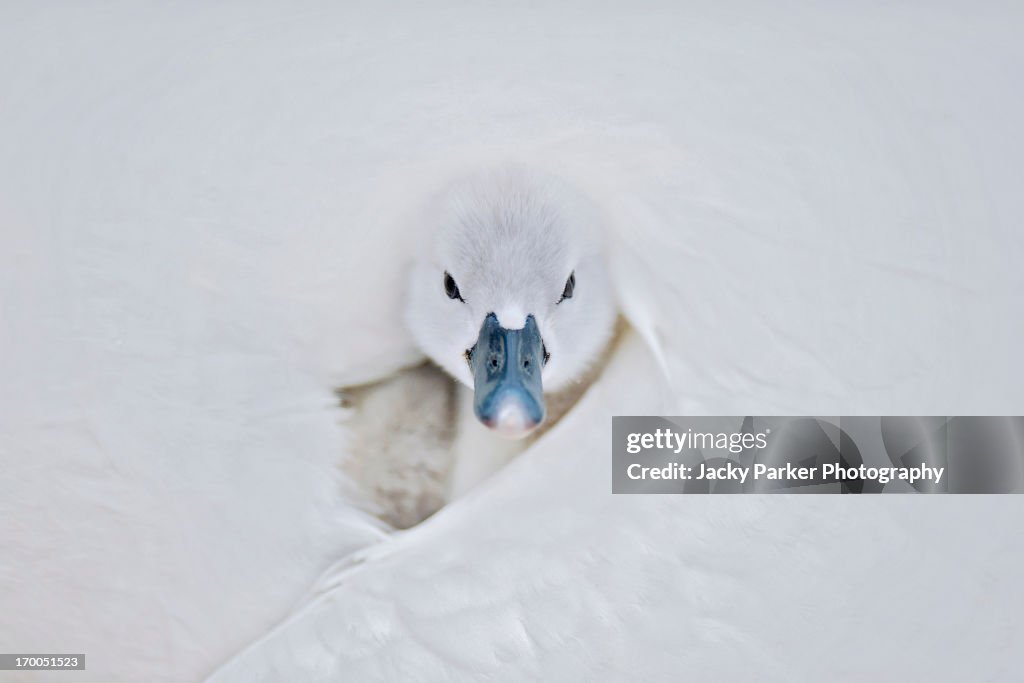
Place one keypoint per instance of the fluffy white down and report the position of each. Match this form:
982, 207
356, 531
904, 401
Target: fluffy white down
511, 237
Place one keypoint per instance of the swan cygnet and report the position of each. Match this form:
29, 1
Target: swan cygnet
510, 296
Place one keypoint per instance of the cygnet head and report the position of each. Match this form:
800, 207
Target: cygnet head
510, 294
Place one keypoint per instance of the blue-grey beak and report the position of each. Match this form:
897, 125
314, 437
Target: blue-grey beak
506, 365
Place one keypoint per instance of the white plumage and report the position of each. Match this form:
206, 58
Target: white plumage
207, 223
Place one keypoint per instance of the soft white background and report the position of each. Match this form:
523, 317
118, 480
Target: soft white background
205, 213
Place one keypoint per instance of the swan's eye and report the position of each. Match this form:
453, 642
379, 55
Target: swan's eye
452, 289
570, 285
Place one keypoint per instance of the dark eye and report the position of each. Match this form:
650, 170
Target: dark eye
570, 286
452, 289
